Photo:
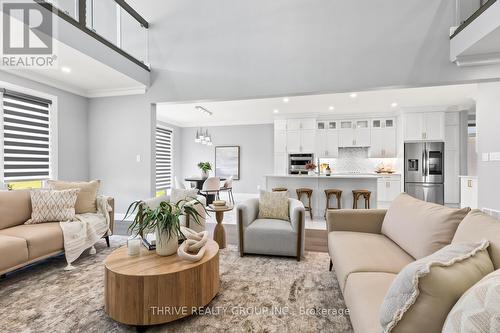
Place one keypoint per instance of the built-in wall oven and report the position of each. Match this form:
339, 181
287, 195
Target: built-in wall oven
297, 163
424, 171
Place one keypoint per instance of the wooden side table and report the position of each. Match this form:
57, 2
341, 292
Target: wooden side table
219, 231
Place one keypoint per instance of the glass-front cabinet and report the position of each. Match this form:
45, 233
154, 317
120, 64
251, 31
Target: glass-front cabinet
327, 139
383, 123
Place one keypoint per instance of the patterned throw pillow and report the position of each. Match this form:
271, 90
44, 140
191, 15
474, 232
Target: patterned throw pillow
273, 205
429, 287
53, 206
478, 310
86, 201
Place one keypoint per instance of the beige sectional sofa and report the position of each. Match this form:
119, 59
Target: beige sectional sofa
22, 244
366, 261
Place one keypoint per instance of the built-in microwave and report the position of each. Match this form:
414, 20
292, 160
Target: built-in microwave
297, 163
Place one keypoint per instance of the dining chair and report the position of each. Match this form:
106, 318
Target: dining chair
211, 186
228, 187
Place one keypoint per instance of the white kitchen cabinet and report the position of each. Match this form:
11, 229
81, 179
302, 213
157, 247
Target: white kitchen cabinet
280, 141
327, 143
301, 124
307, 141
388, 188
434, 126
383, 143
451, 181
293, 141
424, 126
452, 158
280, 124
300, 135
468, 192
280, 164
354, 133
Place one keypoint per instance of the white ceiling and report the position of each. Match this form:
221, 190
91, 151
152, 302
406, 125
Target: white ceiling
261, 111
88, 76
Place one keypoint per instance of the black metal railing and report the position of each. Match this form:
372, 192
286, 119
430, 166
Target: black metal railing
467, 11
112, 22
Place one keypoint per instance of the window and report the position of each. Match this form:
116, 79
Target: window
164, 137
26, 140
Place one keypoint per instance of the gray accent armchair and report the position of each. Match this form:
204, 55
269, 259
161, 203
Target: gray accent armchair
270, 236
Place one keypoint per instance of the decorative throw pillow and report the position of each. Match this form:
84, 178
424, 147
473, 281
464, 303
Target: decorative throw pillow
424, 292
86, 201
421, 228
52, 206
179, 194
478, 310
273, 205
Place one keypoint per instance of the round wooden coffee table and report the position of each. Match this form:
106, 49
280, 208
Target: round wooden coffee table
149, 289
219, 231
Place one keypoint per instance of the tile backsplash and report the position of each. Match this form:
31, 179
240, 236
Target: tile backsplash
355, 160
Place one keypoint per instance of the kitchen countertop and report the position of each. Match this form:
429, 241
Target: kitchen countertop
337, 175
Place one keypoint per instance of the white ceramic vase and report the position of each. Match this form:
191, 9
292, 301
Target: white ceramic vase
166, 246
204, 174
311, 173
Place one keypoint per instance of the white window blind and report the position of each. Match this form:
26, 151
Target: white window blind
26, 137
164, 137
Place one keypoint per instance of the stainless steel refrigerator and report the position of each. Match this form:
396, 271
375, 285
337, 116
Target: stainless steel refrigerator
424, 171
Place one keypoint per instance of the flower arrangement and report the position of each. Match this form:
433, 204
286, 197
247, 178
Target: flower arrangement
310, 166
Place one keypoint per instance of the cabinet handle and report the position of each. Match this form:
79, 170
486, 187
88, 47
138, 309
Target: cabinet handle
469, 183
326, 153
387, 184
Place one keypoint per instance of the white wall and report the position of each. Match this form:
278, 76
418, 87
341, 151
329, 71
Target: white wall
120, 130
488, 120
256, 152
73, 129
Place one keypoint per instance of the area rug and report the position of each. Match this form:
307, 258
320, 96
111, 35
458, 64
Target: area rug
257, 294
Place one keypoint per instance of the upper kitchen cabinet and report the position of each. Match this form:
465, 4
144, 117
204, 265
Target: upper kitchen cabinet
424, 126
280, 136
300, 135
354, 133
327, 139
383, 138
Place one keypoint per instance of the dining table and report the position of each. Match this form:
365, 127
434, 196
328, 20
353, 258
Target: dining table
197, 182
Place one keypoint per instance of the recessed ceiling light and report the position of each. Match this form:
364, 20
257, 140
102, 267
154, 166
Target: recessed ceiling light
331, 108
286, 100
394, 104
276, 111
353, 95
66, 69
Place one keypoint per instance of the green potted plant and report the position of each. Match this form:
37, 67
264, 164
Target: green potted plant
205, 167
164, 220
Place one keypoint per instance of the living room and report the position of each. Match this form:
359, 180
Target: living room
315, 167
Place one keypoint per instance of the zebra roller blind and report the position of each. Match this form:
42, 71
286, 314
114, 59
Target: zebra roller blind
26, 137
164, 138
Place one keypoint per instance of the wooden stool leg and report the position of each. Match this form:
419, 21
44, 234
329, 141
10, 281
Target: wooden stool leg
355, 202
338, 202
310, 207
326, 209
368, 202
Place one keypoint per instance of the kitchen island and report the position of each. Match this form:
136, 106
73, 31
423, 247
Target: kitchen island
319, 183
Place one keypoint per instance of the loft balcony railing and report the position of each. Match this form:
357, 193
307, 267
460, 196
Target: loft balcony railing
467, 11
112, 22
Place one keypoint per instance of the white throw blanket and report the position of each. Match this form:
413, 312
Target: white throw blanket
84, 233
